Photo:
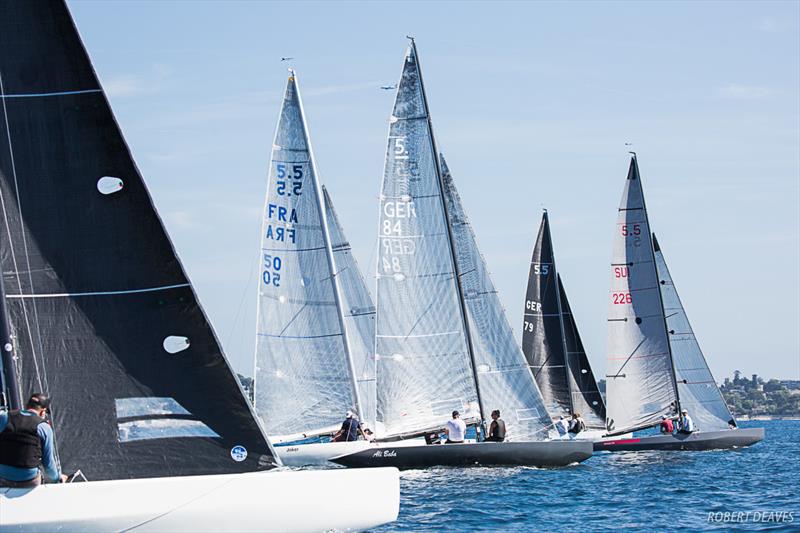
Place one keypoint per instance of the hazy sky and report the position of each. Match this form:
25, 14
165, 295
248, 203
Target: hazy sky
531, 103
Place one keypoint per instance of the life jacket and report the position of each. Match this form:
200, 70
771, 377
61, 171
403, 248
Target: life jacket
20, 444
498, 429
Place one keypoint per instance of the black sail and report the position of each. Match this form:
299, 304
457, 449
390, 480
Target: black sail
542, 332
102, 314
586, 398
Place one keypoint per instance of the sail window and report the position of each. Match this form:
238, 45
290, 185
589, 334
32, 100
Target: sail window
109, 185
527, 414
175, 344
163, 428
142, 407
399, 276
584, 371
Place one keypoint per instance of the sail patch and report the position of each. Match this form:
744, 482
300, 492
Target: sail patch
108, 185
174, 344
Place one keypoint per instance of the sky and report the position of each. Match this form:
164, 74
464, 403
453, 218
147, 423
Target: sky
532, 104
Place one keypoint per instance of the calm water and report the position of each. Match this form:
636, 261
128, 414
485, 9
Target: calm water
609, 491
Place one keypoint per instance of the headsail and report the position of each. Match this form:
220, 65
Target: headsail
303, 375
698, 391
586, 398
359, 314
641, 381
423, 364
103, 316
542, 328
506, 381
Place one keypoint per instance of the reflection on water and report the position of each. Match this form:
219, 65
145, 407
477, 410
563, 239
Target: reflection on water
643, 490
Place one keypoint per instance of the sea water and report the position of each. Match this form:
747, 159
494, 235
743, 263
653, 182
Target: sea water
758, 487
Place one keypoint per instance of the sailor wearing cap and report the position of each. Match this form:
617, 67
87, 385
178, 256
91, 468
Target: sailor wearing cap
26, 440
351, 429
685, 424
455, 429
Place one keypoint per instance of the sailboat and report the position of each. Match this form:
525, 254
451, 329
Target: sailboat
552, 344
96, 311
442, 340
316, 320
655, 365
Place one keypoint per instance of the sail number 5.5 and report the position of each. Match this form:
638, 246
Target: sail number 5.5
271, 274
287, 180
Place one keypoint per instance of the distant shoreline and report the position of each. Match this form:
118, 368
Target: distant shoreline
768, 417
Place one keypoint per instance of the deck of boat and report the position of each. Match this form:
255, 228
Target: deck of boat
541, 453
697, 441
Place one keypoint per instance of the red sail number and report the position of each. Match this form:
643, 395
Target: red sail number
629, 230
621, 272
621, 298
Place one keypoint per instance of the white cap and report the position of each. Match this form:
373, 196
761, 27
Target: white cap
350, 414
684, 411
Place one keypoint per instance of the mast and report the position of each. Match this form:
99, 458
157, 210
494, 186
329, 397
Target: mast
660, 296
459, 287
560, 317
326, 236
11, 397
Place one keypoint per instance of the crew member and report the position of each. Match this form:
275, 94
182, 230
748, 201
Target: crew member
561, 426
497, 429
455, 429
351, 429
576, 425
685, 424
666, 425
26, 441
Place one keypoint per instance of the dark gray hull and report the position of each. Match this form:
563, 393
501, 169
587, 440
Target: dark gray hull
698, 441
541, 454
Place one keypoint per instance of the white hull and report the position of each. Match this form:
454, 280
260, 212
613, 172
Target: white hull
594, 435
323, 453
258, 501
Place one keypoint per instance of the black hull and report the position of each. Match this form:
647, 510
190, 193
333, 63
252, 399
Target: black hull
698, 441
541, 454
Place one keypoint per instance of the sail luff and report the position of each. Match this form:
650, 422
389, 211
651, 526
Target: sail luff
11, 397
561, 318
329, 253
459, 287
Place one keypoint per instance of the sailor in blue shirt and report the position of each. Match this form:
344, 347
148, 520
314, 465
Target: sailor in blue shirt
26, 441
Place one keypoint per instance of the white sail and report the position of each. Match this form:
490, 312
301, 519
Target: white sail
423, 365
640, 377
697, 390
358, 310
505, 379
302, 376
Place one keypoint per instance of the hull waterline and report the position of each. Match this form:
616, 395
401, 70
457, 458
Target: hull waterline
541, 454
259, 501
323, 453
697, 441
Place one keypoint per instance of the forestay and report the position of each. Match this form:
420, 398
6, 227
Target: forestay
358, 311
586, 398
103, 316
698, 392
302, 377
542, 328
640, 378
505, 380
423, 364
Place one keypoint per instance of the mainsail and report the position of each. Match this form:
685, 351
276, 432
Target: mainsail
359, 314
303, 374
506, 382
640, 381
543, 340
102, 314
697, 389
423, 361
586, 398
551, 342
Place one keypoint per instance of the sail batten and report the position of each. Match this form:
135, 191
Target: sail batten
101, 310
640, 380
